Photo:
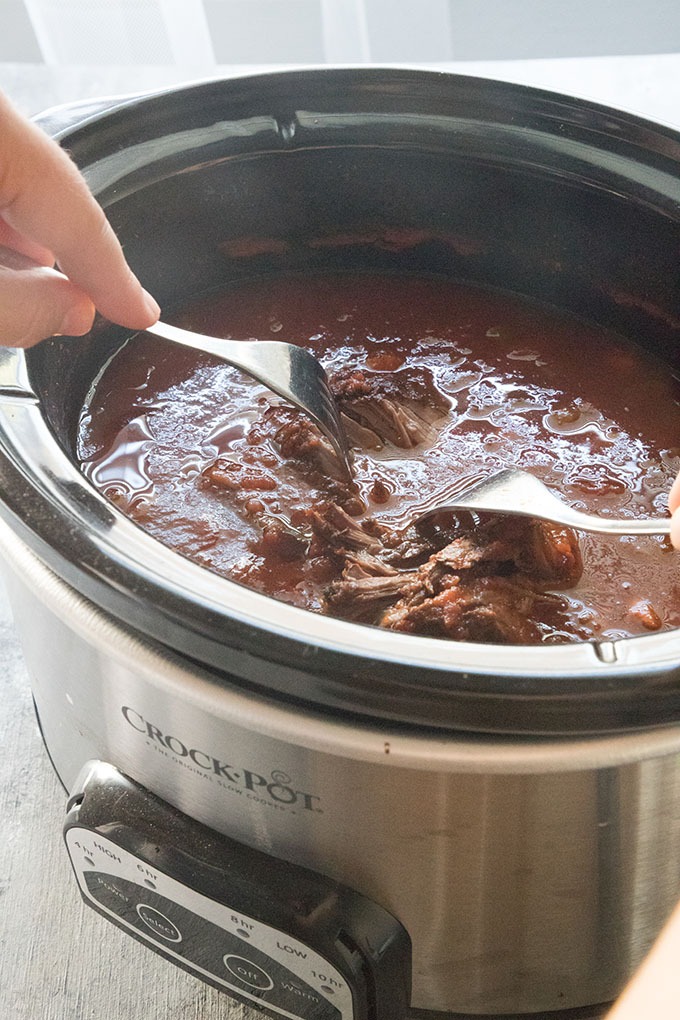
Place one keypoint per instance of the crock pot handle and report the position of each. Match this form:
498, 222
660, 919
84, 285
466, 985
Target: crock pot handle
267, 932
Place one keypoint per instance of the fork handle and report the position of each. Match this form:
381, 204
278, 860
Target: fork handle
235, 352
569, 517
616, 526
517, 492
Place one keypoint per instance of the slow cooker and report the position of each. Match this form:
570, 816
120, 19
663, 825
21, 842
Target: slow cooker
323, 819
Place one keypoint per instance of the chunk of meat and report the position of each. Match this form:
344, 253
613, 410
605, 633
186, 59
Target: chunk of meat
549, 553
300, 440
363, 564
236, 477
334, 528
488, 584
645, 612
281, 542
364, 598
405, 549
461, 554
487, 609
399, 407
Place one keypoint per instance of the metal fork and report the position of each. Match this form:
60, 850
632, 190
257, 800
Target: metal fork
288, 370
512, 491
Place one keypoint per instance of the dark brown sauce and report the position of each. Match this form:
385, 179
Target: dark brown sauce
589, 412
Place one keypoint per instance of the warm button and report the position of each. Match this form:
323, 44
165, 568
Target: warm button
159, 923
248, 972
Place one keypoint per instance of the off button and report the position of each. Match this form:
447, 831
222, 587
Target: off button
248, 972
159, 923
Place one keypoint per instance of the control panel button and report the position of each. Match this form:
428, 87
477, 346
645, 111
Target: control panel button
159, 923
248, 972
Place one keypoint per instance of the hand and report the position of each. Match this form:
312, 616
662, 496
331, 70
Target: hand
48, 215
674, 507
654, 991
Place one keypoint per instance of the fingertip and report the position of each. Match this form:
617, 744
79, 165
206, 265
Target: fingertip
152, 307
675, 529
674, 496
135, 309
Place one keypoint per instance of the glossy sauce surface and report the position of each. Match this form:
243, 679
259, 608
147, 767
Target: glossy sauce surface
589, 412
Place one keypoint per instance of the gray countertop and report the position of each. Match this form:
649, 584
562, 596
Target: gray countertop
58, 959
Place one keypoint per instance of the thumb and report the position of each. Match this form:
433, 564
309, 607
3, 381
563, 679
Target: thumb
39, 302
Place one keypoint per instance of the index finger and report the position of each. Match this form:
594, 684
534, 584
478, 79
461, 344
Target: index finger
44, 197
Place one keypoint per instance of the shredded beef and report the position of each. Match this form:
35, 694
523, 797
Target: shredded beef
398, 407
364, 599
494, 609
547, 554
300, 440
408, 548
551, 553
339, 532
490, 584
466, 577
362, 564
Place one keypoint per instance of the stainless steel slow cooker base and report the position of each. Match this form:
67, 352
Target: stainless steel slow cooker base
521, 869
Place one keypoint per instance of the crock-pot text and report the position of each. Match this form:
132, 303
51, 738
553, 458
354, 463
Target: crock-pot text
277, 787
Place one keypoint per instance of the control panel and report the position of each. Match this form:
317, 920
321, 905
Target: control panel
275, 935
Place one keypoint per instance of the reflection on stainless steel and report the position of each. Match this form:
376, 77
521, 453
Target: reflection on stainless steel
531, 874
